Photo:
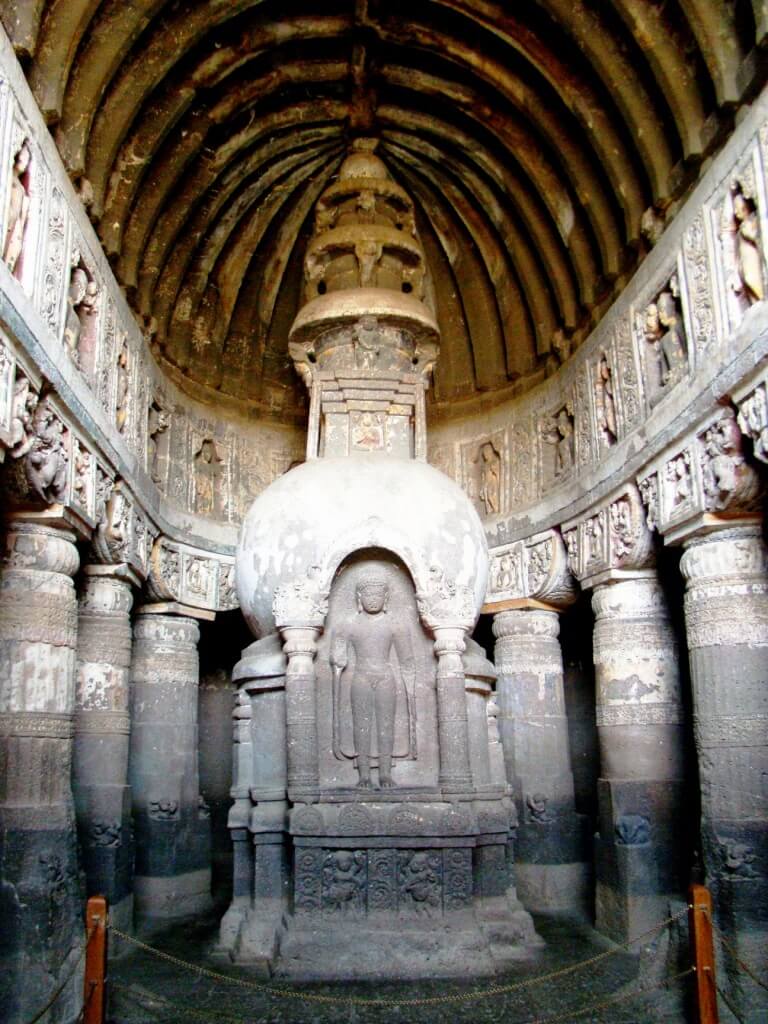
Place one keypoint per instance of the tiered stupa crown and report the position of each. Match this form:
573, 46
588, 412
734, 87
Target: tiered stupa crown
366, 338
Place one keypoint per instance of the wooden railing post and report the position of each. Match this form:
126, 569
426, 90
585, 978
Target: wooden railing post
703, 953
94, 982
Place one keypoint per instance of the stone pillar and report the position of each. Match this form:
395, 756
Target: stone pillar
552, 865
455, 773
102, 730
40, 894
639, 722
726, 612
300, 646
173, 873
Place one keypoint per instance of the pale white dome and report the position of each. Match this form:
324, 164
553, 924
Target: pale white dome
311, 518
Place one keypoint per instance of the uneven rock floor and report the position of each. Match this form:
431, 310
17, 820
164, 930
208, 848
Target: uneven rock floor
146, 989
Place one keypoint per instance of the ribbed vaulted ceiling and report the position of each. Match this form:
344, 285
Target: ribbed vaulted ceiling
531, 135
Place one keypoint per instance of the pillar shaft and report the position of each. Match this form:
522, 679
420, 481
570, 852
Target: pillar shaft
552, 868
102, 729
299, 644
173, 874
40, 898
453, 729
639, 722
726, 611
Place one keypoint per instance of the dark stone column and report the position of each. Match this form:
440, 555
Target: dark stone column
102, 729
552, 865
303, 770
453, 729
40, 894
726, 611
640, 790
173, 857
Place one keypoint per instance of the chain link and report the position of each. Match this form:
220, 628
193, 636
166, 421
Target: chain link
457, 997
564, 1015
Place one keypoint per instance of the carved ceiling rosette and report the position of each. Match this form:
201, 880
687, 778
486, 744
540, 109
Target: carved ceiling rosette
300, 602
612, 538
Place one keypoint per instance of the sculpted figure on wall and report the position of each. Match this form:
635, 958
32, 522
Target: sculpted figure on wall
558, 431
48, 459
82, 298
749, 281
490, 478
22, 411
368, 641
18, 207
667, 352
605, 405
158, 422
208, 479
122, 397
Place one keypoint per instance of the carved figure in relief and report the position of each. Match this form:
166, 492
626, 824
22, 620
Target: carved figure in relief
504, 572
593, 531
344, 881
621, 527
371, 637
22, 412
679, 475
18, 207
558, 431
749, 257
47, 459
368, 431
538, 812
208, 479
121, 402
490, 478
420, 881
81, 481
158, 421
604, 401
672, 341
198, 575
81, 304
366, 343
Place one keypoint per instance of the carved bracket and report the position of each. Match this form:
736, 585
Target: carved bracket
703, 480
533, 569
613, 538
301, 602
191, 577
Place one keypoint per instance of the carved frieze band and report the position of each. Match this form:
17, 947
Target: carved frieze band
34, 724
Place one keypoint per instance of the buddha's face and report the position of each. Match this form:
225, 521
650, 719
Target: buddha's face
373, 598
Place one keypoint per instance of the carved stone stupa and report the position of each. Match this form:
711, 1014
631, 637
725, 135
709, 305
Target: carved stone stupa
369, 782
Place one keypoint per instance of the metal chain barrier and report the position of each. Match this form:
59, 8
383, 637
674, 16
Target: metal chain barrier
565, 1015
458, 997
749, 971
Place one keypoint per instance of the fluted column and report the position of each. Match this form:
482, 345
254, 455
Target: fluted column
453, 729
40, 899
726, 612
639, 722
102, 729
173, 873
550, 851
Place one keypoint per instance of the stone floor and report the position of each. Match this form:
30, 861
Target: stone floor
146, 989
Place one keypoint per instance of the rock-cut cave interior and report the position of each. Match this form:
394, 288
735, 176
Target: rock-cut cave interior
383, 443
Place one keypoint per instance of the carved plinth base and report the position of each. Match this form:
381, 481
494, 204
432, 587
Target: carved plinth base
640, 854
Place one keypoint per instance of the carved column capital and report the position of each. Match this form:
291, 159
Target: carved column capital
124, 534
535, 569
300, 602
610, 541
753, 419
524, 623
702, 482
32, 544
191, 576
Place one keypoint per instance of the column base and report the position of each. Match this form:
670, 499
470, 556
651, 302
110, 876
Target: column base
41, 930
172, 897
555, 888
